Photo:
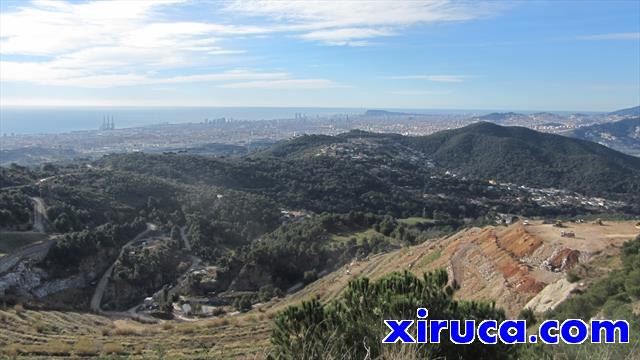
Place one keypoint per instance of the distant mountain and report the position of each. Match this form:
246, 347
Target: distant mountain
623, 135
525, 156
499, 116
633, 111
543, 113
384, 113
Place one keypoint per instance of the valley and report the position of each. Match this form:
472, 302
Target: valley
210, 252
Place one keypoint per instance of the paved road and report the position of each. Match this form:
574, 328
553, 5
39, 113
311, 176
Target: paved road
96, 299
39, 215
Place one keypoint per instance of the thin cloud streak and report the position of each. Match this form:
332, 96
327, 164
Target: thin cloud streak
634, 36
433, 78
286, 84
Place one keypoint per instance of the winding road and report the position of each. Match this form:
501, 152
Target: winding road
96, 299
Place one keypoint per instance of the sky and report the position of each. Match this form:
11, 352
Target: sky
436, 54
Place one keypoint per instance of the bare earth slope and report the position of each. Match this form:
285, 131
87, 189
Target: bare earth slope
507, 264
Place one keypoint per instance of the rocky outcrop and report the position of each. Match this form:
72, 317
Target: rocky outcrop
58, 285
562, 259
21, 280
551, 296
27, 279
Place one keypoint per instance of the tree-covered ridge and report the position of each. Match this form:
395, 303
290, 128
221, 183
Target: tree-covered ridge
523, 156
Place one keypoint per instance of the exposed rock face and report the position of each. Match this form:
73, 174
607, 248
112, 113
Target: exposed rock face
494, 263
551, 296
58, 285
21, 280
26, 278
562, 260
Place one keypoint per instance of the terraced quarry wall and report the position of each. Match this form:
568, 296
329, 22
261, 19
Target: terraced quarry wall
509, 265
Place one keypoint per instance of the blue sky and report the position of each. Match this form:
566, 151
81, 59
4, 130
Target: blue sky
521, 55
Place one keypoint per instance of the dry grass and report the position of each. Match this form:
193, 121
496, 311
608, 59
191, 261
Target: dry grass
18, 309
58, 347
83, 335
113, 349
87, 347
128, 328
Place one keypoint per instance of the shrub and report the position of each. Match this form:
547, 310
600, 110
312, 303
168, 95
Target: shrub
242, 303
572, 276
351, 327
528, 315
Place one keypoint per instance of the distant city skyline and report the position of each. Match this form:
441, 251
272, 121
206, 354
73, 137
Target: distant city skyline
527, 56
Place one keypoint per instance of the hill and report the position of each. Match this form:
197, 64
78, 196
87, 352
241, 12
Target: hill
622, 135
633, 111
500, 116
527, 157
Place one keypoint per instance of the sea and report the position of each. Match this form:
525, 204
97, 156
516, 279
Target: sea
52, 120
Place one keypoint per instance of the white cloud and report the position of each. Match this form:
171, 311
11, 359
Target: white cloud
109, 43
55, 27
434, 78
45, 74
106, 44
284, 84
419, 92
612, 36
345, 36
345, 22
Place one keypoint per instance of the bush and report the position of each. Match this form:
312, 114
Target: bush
572, 276
310, 276
242, 303
528, 315
351, 327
